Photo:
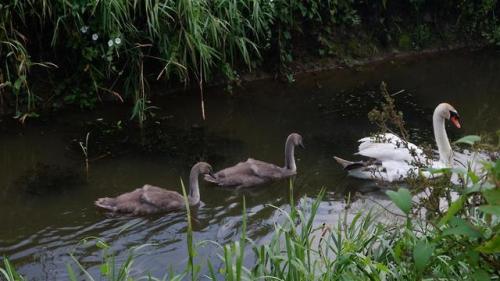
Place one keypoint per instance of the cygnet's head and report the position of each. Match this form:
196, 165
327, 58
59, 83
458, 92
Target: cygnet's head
204, 168
296, 139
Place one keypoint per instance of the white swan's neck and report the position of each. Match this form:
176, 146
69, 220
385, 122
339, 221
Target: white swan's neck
289, 155
442, 142
194, 189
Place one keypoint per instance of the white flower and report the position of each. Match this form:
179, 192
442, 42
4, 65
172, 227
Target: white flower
118, 41
110, 43
95, 36
84, 29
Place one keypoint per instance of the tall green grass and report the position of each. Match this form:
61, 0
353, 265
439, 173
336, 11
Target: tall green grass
108, 42
9, 273
112, 49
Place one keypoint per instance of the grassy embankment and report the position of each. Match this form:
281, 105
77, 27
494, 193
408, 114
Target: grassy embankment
58, 53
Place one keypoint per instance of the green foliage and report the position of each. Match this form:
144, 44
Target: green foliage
466, 227
422, 253
317, 19
402, 199
470, 140
109, 50
387, 115
192, 268
8, 272
107, 43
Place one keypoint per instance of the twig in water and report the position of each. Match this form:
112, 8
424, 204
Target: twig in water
85, 150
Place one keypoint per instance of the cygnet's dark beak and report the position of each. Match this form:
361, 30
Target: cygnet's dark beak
301, 144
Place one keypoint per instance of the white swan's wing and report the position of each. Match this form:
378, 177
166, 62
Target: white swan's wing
389, 147
392, 159
388, 171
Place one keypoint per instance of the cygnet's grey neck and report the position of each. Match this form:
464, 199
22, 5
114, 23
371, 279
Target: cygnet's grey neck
194, 190
442, 142
289, 155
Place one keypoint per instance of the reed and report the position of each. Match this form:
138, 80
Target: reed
9, 273
108, 43
114, 48
84, 146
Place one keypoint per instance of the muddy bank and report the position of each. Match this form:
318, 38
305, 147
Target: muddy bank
315, 64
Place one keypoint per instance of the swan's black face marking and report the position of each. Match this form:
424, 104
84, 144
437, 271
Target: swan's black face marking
455, 118
454, 114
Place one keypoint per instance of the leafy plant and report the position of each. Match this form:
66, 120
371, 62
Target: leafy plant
9, 272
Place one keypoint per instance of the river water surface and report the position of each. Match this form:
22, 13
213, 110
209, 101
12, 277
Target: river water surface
329, 109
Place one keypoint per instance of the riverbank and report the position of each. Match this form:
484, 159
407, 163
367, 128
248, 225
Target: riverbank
114, 52
316, 65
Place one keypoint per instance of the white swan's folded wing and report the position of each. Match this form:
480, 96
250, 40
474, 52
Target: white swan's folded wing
389, 147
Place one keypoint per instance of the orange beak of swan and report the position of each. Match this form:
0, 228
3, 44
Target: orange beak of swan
454, 120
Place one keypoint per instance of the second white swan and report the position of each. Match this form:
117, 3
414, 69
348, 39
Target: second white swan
394, 159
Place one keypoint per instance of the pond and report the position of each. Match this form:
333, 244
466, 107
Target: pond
329, 109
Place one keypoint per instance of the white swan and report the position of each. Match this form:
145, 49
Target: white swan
394, 159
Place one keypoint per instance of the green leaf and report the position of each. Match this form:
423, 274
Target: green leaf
473, 257
287, 35
19, 81
437, 170
492, 196
491, 246
422, 253
71, 273
470, 140
481, 275
402, 199
459, 226
496, 169
101, 245
490, 209
477, 187
455, 207
104, 268
474, 178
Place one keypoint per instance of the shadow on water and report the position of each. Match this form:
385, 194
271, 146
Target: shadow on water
329, 109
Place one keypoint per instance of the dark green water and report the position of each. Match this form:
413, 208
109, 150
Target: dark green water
329, 109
